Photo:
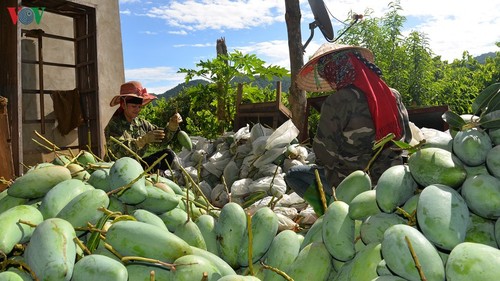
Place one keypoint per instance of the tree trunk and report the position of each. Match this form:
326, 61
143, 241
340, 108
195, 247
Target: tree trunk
297, 97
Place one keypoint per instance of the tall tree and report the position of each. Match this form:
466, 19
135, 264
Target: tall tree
297, 97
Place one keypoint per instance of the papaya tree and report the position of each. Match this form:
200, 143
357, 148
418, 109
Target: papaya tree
222, 71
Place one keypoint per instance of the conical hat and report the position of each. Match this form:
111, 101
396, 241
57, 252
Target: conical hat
306, 79
133, 89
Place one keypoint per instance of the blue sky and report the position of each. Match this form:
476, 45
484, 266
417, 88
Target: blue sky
159, 37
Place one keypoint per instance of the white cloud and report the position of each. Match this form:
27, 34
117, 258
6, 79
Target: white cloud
200, 45
129, 1
219, 14
179, 32
156, 79
451, 27
150, 32
276, 52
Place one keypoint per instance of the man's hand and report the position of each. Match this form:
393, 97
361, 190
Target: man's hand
174, 121
149, 137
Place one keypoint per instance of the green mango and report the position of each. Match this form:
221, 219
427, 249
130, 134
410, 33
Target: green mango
482, 194
10, 276
142, 272
493, 161
283, 251
372, 228
264, 228
399, 259
471, 146
473, 262
51, 251
12, 231
394, 187
338, 231
193, 267
190, 233
174, 218
126, 171
352, 185
364, 205
313, 263
436, 165
148, 217
158, 201
36, 183
206, 224
230, 229
440, 205
60, 195
99, 267
314, 233
134, 238
481, 230
364, 267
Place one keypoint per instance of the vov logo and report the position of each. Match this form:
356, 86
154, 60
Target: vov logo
26, 15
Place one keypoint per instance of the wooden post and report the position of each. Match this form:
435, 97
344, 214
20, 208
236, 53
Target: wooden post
6, 162
239, 95
278, 103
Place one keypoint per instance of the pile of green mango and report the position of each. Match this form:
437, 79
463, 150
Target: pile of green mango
436, 217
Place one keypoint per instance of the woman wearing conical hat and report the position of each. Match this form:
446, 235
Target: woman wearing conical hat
360, 110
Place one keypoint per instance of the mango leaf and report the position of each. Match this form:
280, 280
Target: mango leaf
490, 120
494, 104
313, 197
482, 101
453, 119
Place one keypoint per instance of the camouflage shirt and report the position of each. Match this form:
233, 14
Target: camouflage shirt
346, 134
127, 133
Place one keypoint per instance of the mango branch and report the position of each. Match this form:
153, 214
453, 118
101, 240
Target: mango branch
321, 190
17, 264
412, 219
137, 157
82, 246
276, 270
134, 258
196, 186
415, 258
250, 244
379, 146
55, 147
6, 182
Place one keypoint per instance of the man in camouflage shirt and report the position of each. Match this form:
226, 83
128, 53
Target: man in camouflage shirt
361, 110
135, 134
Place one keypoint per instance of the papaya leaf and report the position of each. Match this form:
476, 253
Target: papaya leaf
490, 120
482, 100
453, 119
